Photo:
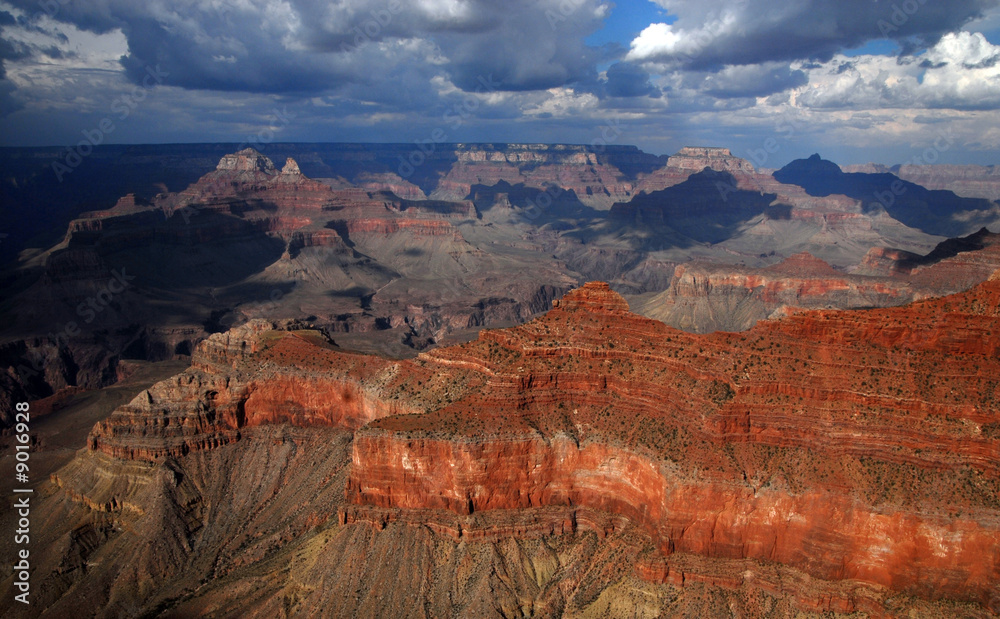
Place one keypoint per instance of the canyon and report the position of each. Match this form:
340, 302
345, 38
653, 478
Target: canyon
375, 386
822, 462
350, 240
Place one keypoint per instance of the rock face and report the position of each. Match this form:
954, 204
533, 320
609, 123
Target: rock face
706, 207
954, 265
291, 167
247, 241
970, 181
707, 297
247, 160
934, 211
691, 160
565, 463
593, 177
696, 159
224, 392
251, 177
823, 460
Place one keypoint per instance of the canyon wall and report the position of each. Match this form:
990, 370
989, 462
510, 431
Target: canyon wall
828, 445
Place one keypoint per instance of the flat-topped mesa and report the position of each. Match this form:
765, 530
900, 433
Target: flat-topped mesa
691, 160
253, 375
697, 158
247, 160
126, 203
704, 151
593, 297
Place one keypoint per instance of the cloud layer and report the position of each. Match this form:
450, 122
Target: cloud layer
302, 46
711, 71
709, 34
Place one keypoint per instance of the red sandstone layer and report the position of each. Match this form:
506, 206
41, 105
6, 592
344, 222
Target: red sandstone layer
845, 446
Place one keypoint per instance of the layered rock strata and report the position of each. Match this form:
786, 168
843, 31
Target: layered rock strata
859, 450
704, 297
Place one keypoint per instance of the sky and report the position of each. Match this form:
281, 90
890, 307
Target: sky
888, 81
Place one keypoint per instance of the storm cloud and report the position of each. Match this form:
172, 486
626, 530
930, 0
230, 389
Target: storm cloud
854, 74
301, 46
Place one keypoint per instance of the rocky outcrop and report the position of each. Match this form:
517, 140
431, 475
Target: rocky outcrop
952, 266
415, 227
796, 471
247, 160
229, 388
707, 297
248, 179
696, 159
592, 176
232, 244
783, 446
291, 168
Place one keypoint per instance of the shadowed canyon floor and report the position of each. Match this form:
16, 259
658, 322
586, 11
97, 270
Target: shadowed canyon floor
588, 463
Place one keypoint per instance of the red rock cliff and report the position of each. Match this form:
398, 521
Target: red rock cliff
854, 449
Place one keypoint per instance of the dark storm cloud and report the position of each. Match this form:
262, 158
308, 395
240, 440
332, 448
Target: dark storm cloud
8, 102
9, 50
304, 46
626, 79
709, 34
12, 50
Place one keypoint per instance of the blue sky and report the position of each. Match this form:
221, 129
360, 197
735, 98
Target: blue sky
626, 20
857, 80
